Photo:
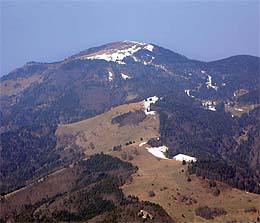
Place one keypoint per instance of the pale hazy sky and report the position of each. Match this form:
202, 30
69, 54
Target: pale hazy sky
48, 31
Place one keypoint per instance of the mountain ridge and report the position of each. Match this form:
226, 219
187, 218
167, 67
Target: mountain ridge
94, 49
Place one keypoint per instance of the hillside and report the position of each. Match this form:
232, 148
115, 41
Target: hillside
89, 189
111, 99
168, 179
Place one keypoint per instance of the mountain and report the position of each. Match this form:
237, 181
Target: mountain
114, 74
209, 110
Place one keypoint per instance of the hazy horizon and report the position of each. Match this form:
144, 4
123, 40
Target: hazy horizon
52, 31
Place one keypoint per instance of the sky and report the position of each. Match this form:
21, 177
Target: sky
48, 31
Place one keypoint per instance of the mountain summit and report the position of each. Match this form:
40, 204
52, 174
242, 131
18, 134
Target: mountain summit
117, 51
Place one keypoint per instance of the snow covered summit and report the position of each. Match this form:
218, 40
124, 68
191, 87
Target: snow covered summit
117, 51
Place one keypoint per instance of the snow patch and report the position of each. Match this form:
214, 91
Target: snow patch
145, 45
110, 76
161, 67
125, 76
187, 91
142, 143
149, 47
209, 83
147, 105
136, 59
210, 105
161, 151
158, 151
143, 62
40, 180
181, 157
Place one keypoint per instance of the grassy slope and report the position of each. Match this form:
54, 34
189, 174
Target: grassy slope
104, 135
155, 175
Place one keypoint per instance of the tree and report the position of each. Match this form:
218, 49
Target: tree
151, 193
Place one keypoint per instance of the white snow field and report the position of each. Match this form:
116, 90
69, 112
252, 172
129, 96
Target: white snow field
158, 151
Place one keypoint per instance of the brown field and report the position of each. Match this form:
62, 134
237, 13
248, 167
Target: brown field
240, 92
240, 110
98, 134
